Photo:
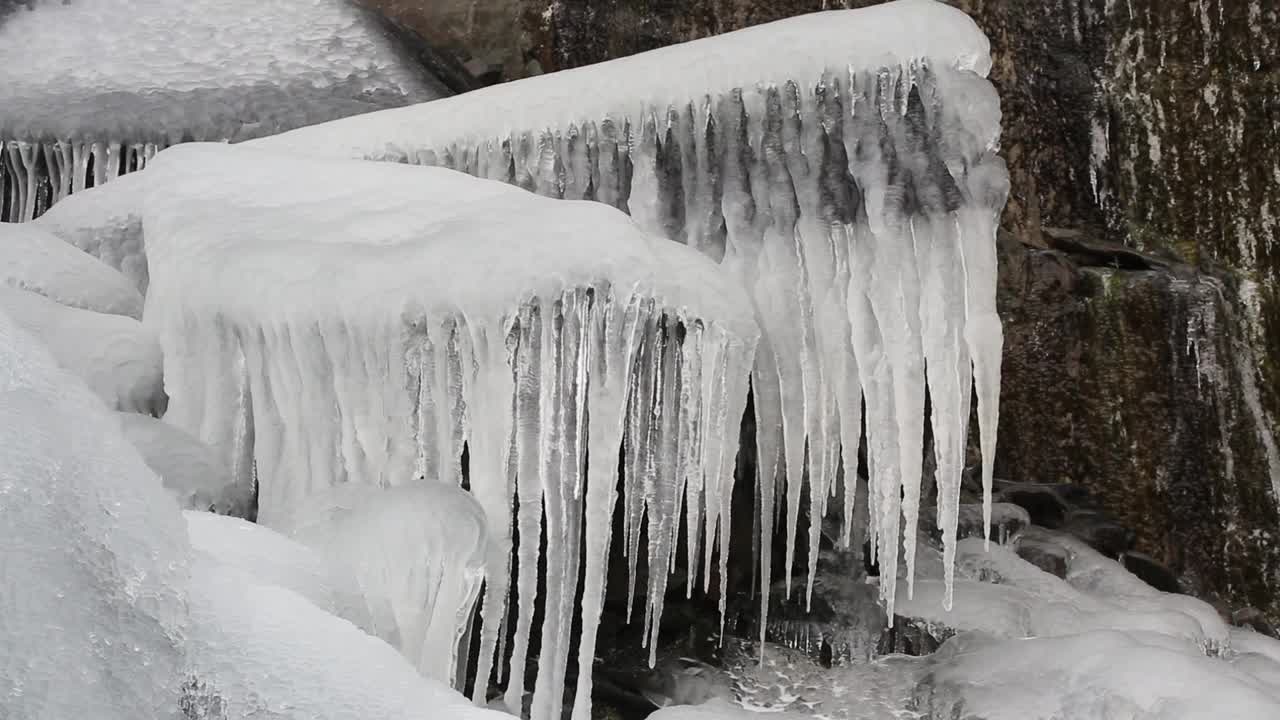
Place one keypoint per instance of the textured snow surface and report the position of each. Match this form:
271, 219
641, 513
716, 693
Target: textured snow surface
432, 308
107, 224
264, 652
214, 59
116, 356
93, 555
843, 166
416, 554
32, 258
197, 475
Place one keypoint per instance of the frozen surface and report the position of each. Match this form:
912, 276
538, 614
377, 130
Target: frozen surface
93, 555
116, 356
105, 222
131, 56
32, 258
433, 308
265, 652
417, 558
1103, 675
843, 166
197, 475
719, 710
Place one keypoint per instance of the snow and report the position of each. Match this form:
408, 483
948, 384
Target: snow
116, 356
94, 556
261, 651
1101, 675
32, 258
267, 556
105, 222
417, 558
193, 472
843, 166
117, 68
432, 308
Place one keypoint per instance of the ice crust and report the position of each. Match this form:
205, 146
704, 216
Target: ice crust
107, 224
93, 554
32, 258
432, 308
843, 166
197, 474
416, 555
116, 356
263, 651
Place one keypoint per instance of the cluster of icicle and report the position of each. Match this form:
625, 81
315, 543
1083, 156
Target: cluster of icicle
591, 373
34, 176
860, 212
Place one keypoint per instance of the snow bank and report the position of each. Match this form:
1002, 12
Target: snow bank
34, 259
93, 554
195, 473
417, 555
116, 356
262, 651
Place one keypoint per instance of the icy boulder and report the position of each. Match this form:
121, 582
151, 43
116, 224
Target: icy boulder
91, 89
844, 167
262, 651
417, 555
378, 315
116, 356
1104, 675
195, 473
34, 259
93, 554
105, 222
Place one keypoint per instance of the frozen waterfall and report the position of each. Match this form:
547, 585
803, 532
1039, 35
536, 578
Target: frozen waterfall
434, 310
843, 166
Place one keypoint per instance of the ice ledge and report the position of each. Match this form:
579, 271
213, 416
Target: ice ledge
799, 49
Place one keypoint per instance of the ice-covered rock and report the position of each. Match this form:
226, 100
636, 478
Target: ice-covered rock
32, 258
843, 166
1101, 675
91, 90
195, 473
107, 224
262, 651
435, 308
116, 356
417, 557
93, 554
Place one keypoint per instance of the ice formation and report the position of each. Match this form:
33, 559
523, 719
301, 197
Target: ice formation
106, 224
32, 258
416, 554
197, 474
435, 309
262, 651
92, 553
91, 90
843, 166
118, 357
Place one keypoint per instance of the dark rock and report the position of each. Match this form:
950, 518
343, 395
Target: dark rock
1043, 503
910, 636
1047, 556
1100, 531
1254, 619
1151, 572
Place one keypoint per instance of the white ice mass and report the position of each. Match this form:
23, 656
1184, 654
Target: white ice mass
91, 90
843, 166
32, 258
93, 554
194, 472
118, 357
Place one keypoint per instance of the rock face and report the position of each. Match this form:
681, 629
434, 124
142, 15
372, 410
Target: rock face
1140, 283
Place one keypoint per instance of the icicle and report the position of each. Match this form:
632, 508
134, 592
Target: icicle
613, 335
